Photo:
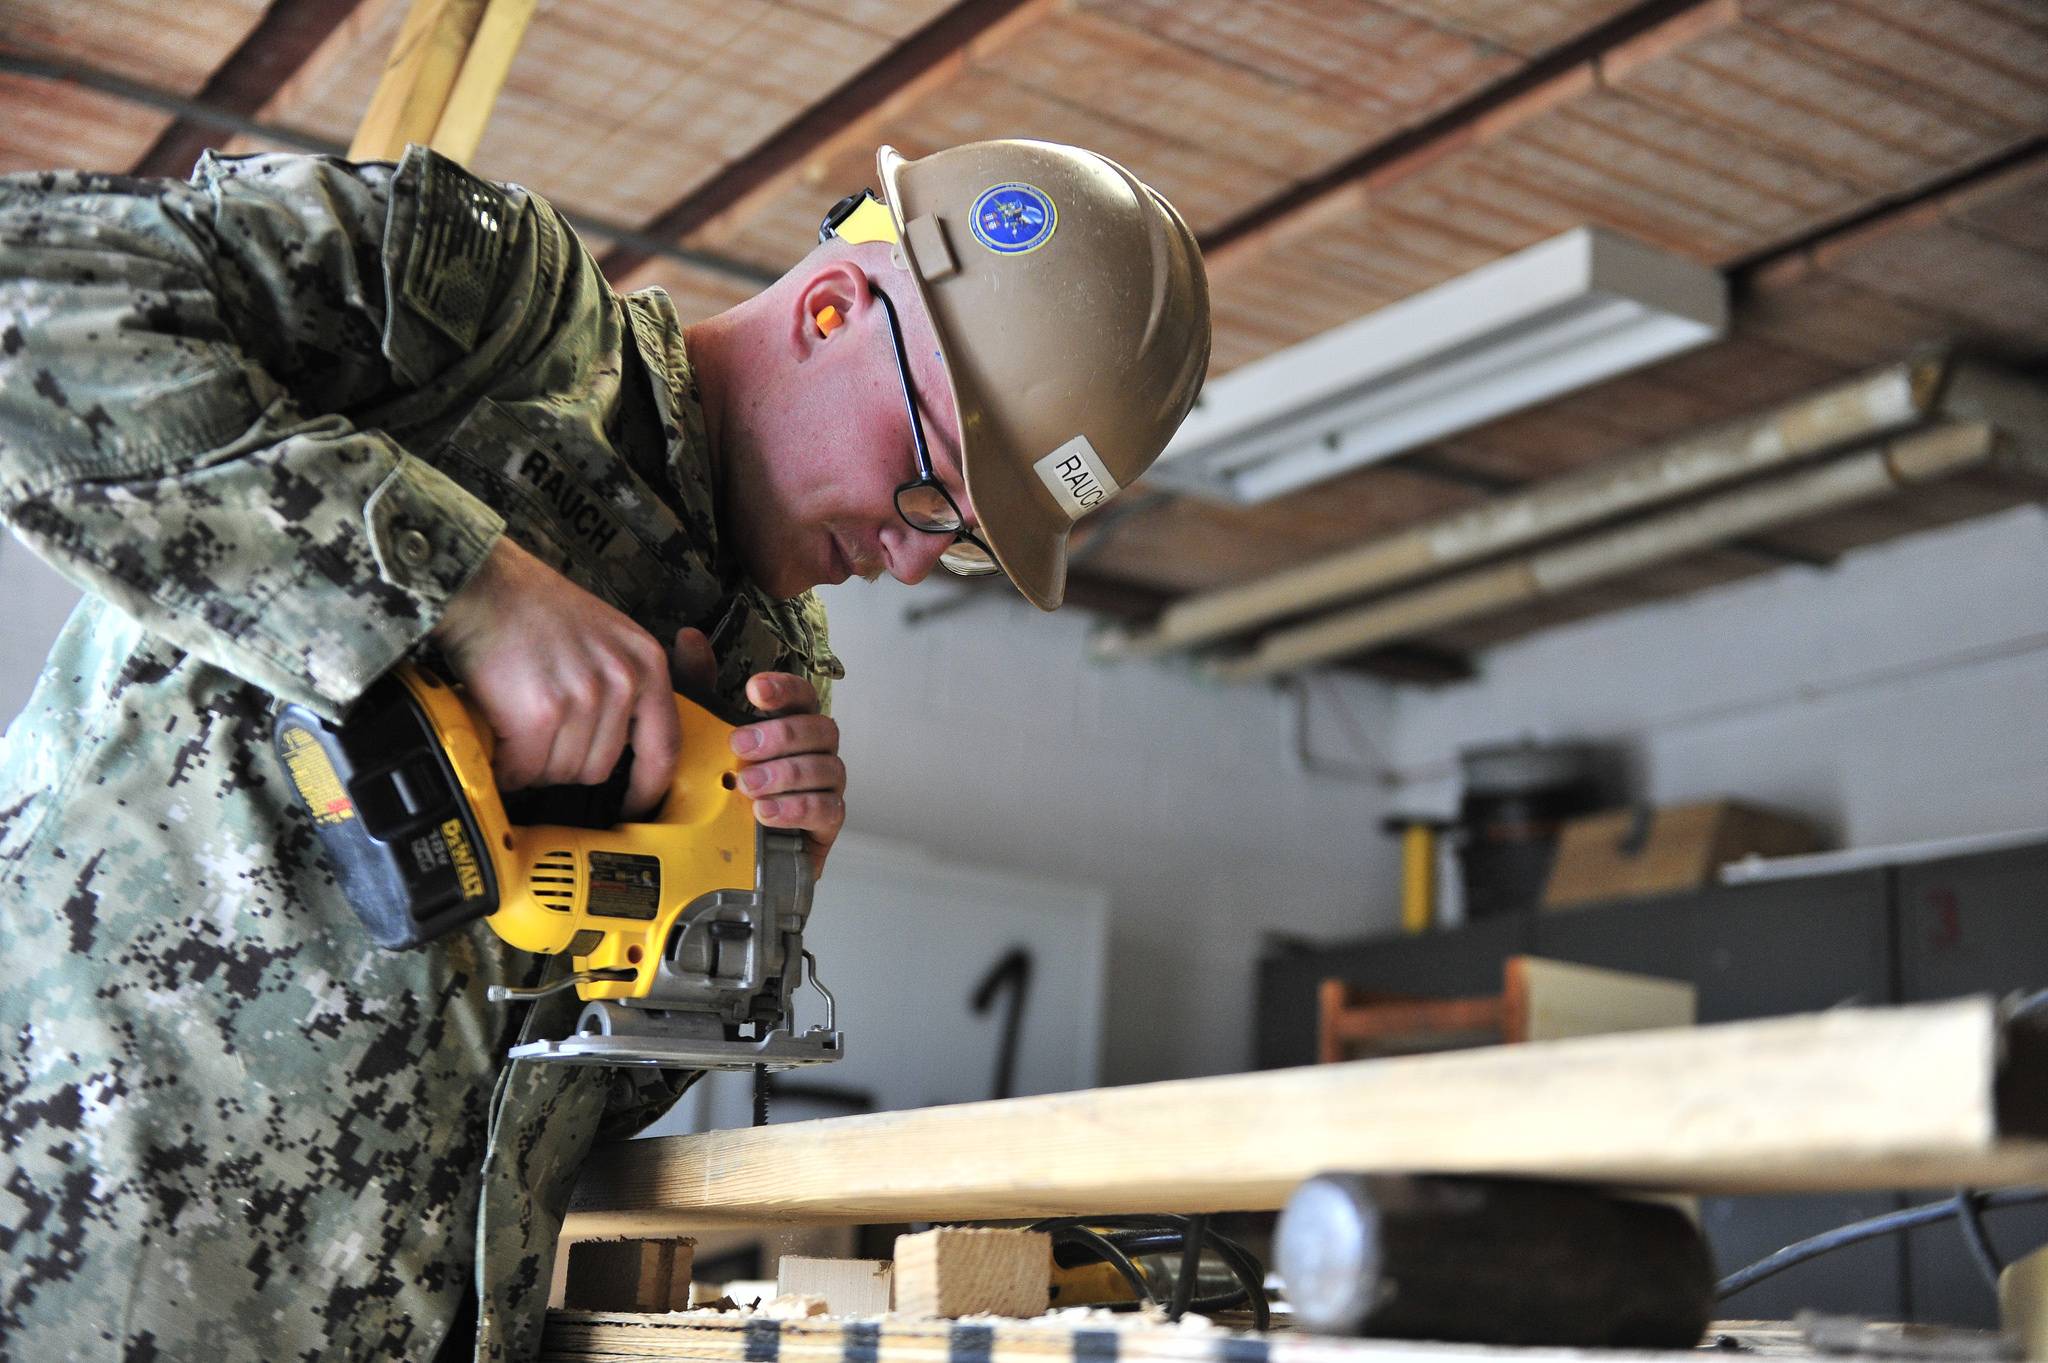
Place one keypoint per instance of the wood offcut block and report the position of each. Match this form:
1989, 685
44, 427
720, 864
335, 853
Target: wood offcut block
629, 1275
850, 1287
953, 1271
2023, 1304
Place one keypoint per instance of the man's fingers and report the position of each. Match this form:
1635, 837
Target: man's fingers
817, 812
568, 751
610, 723
781, 692
521, 755
789, 734
535, 733
657, 744
810, 771
692, 665
819, 815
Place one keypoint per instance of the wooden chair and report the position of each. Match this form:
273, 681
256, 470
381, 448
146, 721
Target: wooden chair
1540, 1000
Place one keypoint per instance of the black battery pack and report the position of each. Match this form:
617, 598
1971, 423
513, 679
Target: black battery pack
399, 836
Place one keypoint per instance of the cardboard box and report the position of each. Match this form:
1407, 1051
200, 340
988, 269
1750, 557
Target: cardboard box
1633, 853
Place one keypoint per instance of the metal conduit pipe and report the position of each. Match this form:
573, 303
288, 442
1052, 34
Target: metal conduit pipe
1860, 409
1920, 457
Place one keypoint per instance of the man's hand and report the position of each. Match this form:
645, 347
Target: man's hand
790, 764
564, 680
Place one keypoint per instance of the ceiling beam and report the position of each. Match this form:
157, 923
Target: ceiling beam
250, 78
902, 74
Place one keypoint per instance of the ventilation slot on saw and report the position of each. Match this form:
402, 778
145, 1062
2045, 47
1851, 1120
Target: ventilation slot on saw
554, 881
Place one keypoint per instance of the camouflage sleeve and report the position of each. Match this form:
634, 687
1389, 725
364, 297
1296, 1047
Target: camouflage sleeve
822, 664
175, 362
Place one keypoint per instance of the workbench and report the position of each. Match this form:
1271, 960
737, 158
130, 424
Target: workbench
596, 1337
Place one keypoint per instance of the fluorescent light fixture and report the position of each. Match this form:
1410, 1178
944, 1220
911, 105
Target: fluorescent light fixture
1563, 314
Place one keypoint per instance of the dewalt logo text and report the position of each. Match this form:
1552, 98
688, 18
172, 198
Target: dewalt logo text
463, 858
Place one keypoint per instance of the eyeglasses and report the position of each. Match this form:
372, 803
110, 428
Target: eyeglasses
923, 502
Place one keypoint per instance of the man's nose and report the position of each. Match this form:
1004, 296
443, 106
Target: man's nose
913, 554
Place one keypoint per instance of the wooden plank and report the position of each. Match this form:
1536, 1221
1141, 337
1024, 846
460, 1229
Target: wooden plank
2023, 1304
417, 76
831, 129
1876, 1098
1369, 58
1769, 194
707, 1337
1127, 75
55, 123
173, 47
485, 65
1995, 66
850, 1287
1825, 110
1530, 27
958, 1271
629, 1275
969, 98
2006, 205
286, 37
1922, 259
1793, 303
1570, 190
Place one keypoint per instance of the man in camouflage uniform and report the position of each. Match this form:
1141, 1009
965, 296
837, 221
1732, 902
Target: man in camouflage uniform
287, 424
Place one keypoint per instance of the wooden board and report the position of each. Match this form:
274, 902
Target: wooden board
630, 1274
580, 1337
2023, 1303
972, 1271
850, 1287
1854, 1098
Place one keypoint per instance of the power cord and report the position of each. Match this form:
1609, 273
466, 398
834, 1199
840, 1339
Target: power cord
1970, 1216
1968, 1206
1121, 1240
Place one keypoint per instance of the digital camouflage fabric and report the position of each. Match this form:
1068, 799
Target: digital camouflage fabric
271, 421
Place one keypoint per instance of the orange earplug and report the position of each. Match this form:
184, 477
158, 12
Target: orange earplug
829, 320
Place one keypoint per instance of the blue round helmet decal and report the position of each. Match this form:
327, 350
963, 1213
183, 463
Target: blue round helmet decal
1013, 218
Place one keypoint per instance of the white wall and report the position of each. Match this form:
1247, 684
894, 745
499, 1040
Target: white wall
984, 734
36, 602
1901, 694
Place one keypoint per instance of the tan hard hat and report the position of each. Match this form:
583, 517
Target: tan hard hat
1072, 313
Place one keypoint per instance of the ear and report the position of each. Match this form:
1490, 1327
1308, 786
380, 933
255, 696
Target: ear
832, 295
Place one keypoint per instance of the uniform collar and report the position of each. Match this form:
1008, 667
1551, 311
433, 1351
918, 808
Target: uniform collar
672, 382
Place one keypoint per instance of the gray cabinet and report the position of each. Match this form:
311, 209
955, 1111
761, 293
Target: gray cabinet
1968, 926
1866, 937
